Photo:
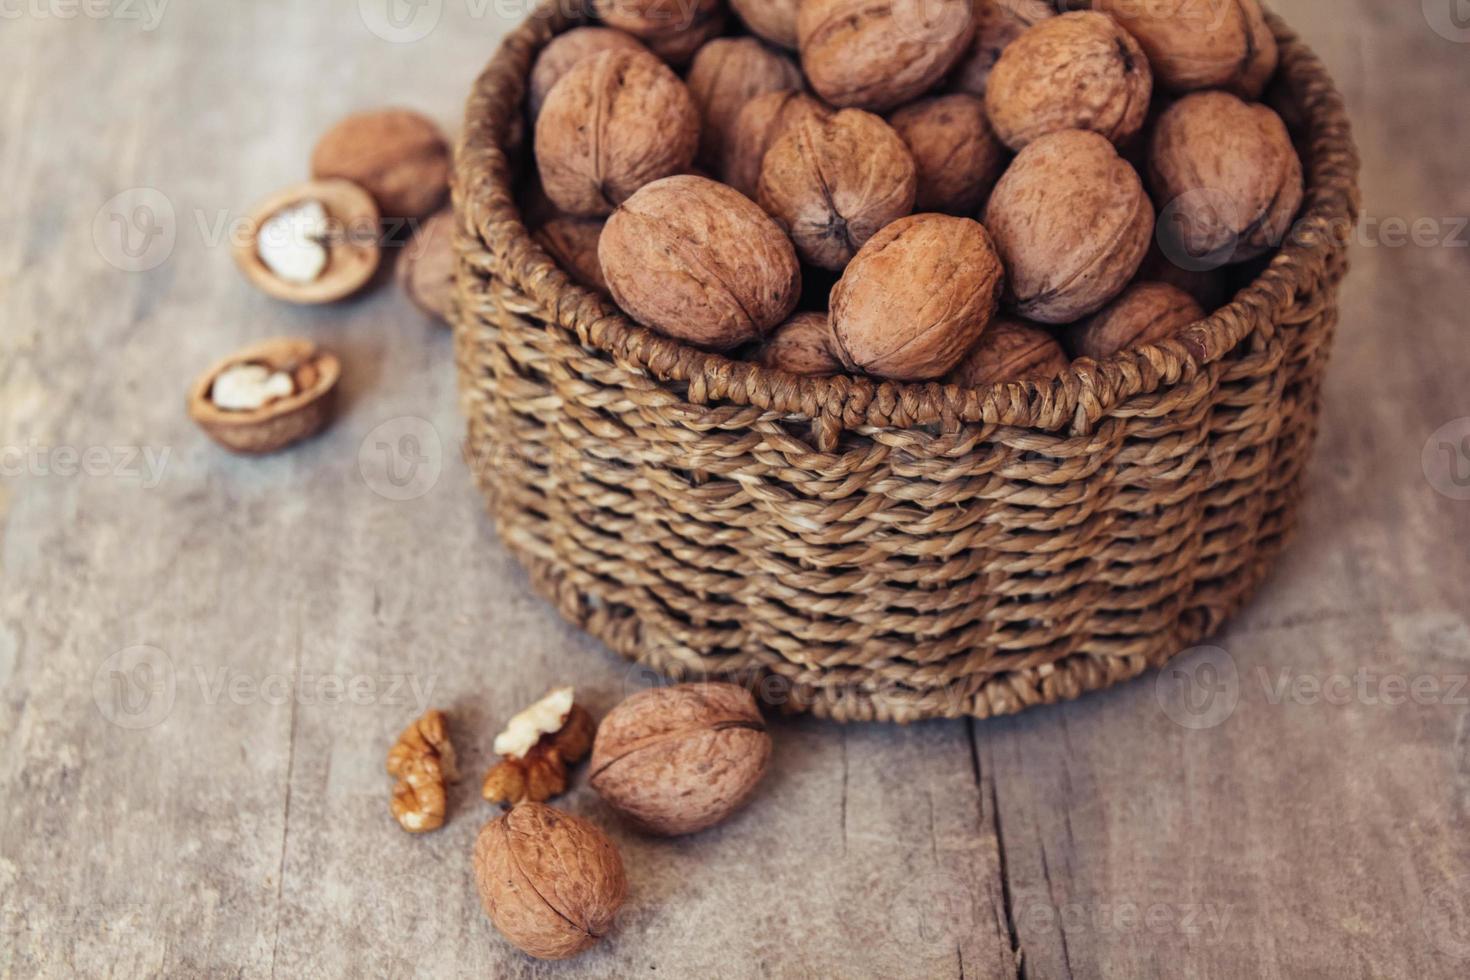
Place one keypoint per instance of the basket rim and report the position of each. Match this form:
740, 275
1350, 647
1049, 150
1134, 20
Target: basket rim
488, 212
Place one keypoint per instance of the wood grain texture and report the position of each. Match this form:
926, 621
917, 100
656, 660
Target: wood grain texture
228, 814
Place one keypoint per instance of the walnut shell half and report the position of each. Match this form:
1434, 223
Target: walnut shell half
399, 157
280, 421
878, 54
677, 760
347, 240
1201, 43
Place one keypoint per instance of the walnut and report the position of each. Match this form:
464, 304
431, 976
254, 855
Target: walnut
677, 760
756, 127
1226, 177
564, 51
399, 157
1207, 286
774, 20
313, 243
426, 270
672, 29
698, 261
878, 55
572, 242
916, 298
1072, 223
266, 397
833, 181
537, 747
616, 121
1201, 43
1146, 314
1011, 350
551, 883
802, 346
1076, 71
726, 74
957, 155
997, 24
423, 761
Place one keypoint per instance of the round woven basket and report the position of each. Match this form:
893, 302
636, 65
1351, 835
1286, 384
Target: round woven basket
868, 550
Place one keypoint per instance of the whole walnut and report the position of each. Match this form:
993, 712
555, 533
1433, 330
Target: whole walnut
833, 181
957, 155
426, 269
565, 50
1201, 43
1146, 314
774, 20
672, 29
1072, 223
997, 24
1208, 286
916, 298
802, 346
756, 127
616, 121
552, 883
696, 260
572, 242
878, 55
399, 157
1226, 177
1011, 350
1076, 71
677, 760
726, 74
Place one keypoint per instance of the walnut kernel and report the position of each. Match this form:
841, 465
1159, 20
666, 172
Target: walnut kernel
423, 761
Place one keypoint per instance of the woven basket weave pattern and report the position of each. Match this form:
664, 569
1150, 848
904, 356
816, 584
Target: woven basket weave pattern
883, 551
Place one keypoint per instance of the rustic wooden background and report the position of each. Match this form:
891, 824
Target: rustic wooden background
203, 659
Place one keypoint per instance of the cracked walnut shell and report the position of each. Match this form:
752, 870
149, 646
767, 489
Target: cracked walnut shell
676, 760
1149, 312
726, 74
878, 55
423, 761
551, 883
316, 242
616, 121
399, 157
957, 155
1201, 43
1011, 350
287, 396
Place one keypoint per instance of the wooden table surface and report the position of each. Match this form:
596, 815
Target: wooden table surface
203, 659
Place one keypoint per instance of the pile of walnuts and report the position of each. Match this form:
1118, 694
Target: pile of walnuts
974, 191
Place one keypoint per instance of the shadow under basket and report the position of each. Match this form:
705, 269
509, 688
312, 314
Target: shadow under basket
866, 550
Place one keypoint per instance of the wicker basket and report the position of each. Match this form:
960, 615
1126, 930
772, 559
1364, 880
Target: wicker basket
886, 551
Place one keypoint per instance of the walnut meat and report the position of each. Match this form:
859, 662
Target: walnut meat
756, 127
564, 51
266, 397
917, 297
1146, 314
726, 74
616, 121
698, 261
957, 155
878, 55
551, 883
399, 157
677, 760
1201, 43
672, 29
833, 181
572, 242
1011, 350
423, 761
1072, 223
774, 20
1226, 177
536, 748
997, 24
802, 346
1076, 71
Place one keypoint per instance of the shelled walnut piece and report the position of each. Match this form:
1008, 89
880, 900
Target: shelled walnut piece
316, 242
423, 761
537, 747
265, 397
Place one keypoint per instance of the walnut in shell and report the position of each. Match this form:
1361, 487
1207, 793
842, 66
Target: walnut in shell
313, 243
1226, 177
1208, 286
1077, 71
399, 157
773, 20
726, 74
551, 883
916, 298
696, 260
832, 181
672, 29
879, 55
426, 269
266, 397
563, 53
676, 760
1147, 313
997, 24
423, 761
957, 155
759, 122
1072, 224
1201, 43
802, 346
1011, 350
572, 242
616, 121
